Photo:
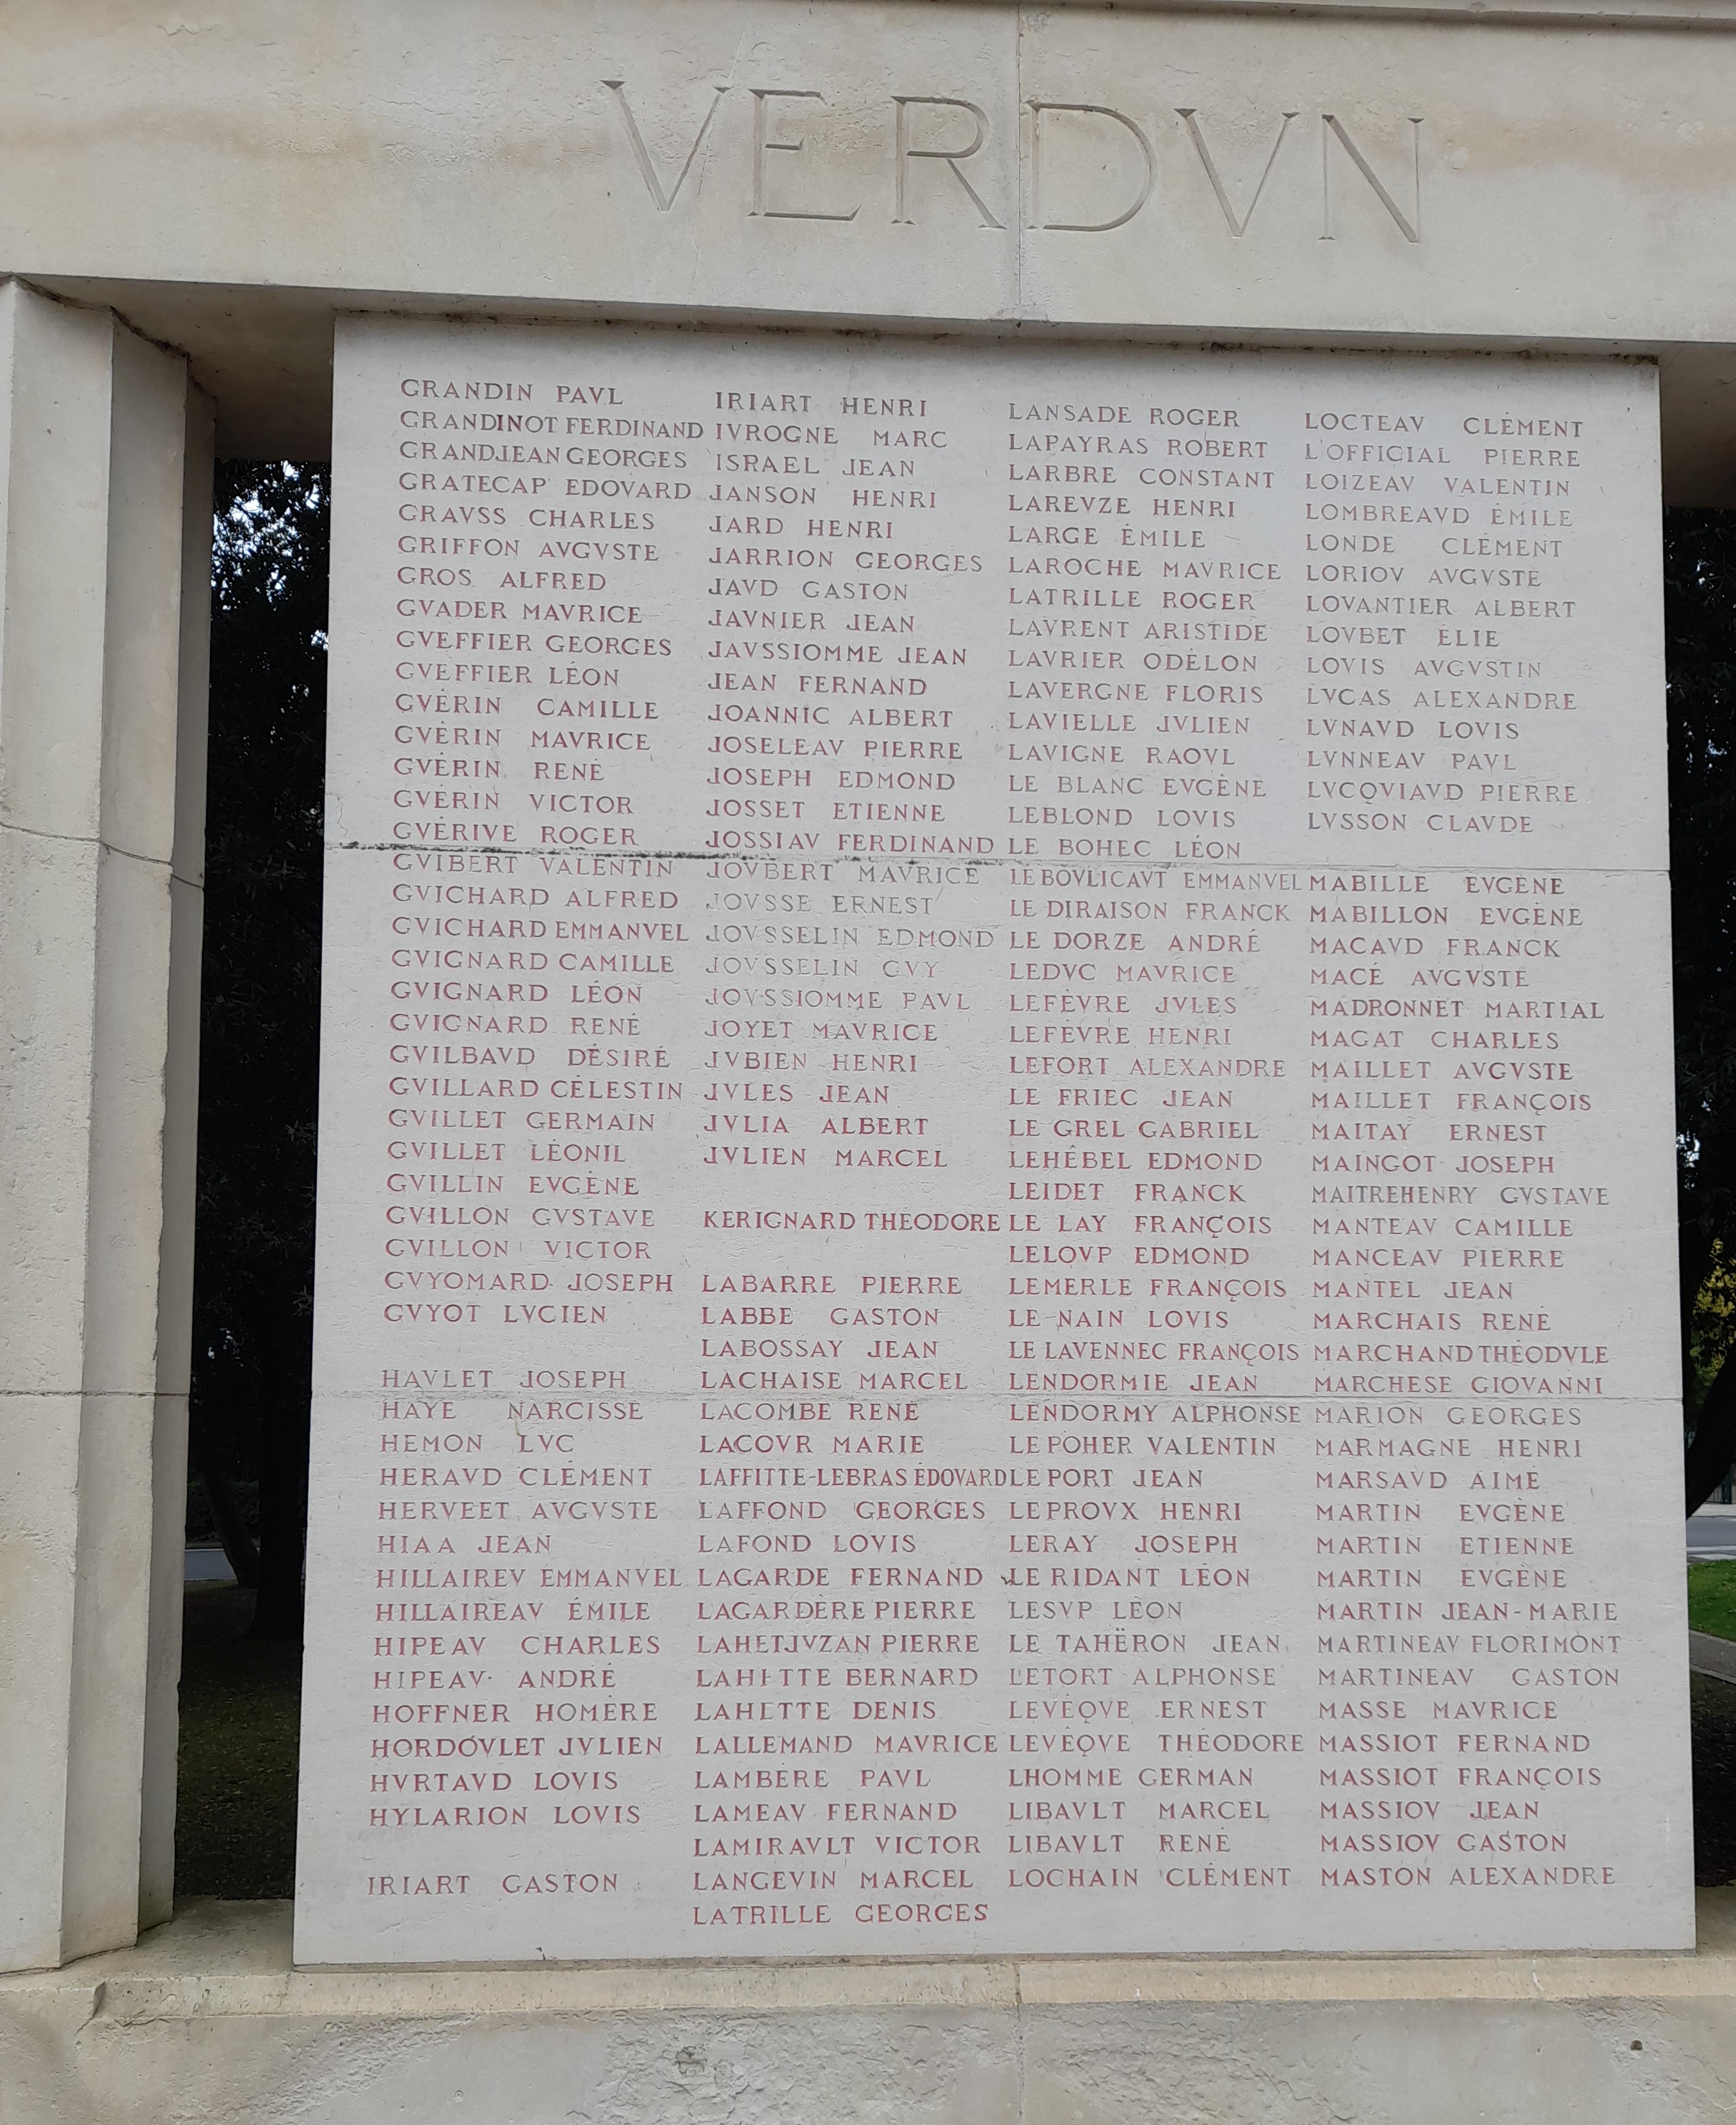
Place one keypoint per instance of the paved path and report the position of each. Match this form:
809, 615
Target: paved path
1712, 1534
1710, 1655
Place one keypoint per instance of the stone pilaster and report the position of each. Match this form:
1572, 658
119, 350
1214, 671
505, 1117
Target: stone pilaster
105, 454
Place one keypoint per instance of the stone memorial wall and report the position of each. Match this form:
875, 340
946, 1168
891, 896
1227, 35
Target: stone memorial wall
996, 1257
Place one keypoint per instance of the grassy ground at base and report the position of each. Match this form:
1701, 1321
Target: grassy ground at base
1712, 1598
240, 1708
240, 1714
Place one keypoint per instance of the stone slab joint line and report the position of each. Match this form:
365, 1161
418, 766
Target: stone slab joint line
92, 841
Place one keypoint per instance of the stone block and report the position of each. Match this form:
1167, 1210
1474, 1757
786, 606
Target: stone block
207, 2021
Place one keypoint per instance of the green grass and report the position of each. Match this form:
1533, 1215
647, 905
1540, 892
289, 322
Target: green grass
1712, 1598
240, 1714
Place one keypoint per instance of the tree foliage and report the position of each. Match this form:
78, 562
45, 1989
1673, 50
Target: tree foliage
259, 1060
1699, 627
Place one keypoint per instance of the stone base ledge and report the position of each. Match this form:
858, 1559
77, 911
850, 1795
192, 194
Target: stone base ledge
207, 2020
234, 1958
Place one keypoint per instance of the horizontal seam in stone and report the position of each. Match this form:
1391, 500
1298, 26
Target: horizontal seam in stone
86, 1394
84, 841
1148, 863
1435, 12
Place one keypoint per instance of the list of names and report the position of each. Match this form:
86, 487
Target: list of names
995, 1244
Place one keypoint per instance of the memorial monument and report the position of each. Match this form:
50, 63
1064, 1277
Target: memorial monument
996, 1409
986, 1263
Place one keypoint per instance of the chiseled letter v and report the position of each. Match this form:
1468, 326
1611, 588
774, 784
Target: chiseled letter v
1190, 118
642, 154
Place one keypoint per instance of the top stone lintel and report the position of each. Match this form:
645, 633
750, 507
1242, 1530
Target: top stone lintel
1417, 174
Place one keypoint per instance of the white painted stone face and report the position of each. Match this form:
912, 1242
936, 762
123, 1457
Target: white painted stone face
104, 560
1488, 175
995, 1245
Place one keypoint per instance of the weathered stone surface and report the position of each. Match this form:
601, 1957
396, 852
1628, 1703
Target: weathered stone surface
994, 1258
205, 2020
93, 543
1568, 183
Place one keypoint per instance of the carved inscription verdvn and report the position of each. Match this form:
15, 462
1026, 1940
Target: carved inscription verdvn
1126, 140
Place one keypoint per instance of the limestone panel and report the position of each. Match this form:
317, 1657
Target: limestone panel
994, 1265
